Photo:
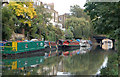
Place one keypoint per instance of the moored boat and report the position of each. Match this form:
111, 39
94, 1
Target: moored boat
15, 48
68, 44
85, 43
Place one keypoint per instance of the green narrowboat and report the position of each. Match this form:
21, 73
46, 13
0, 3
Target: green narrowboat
22, 47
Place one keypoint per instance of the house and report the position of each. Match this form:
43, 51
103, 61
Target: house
55, 16
62, 19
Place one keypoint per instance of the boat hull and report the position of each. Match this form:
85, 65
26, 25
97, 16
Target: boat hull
69, 47
39, 52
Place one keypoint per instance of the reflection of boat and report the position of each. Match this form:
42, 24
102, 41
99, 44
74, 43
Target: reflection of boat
77, 51
107, 44
22, 62
23, 47
85, 49
72, 52
68, 44
66, 53
63, 73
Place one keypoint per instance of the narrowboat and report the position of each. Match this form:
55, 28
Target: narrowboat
68, 44
85, 43
14, 48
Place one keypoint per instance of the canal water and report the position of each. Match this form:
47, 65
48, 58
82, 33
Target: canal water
82, 61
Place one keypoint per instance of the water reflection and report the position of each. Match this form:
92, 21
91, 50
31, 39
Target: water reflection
83, 61
84, 64
103, 65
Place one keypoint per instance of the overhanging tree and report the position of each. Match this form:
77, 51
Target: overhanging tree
25, 12
104, 17
8, 23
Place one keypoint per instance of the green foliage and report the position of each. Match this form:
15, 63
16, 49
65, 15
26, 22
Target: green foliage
38, 27
79, 26
78, 12
54, 33
68, 34
41, 21
79, 23
104, 17
8, 23
112, 66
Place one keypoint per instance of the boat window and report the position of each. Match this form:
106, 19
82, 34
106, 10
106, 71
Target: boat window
25, 63
41, 44
26, 46
37, 44
37, 60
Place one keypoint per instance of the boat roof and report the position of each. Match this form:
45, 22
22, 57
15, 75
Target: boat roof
106, 40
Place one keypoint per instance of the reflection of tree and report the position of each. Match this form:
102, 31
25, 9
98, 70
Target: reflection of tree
84, 64
52, 64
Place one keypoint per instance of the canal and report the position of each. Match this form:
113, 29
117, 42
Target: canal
82, 61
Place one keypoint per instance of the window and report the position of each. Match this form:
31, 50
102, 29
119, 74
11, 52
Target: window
49, 8
26, 46
45, 6
60, 19
41, 44
37, 44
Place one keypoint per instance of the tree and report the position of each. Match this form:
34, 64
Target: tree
8, 23
25, 12
41, 20
53, 33
104, 17
78, 12
68, 34
79, 26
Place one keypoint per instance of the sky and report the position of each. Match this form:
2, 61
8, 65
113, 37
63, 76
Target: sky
63, 6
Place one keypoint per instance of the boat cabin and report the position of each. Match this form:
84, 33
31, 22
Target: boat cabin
20, 47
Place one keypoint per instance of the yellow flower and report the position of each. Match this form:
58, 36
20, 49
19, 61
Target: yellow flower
18, 14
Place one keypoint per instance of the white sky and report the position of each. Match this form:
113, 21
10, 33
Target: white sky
63, 6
